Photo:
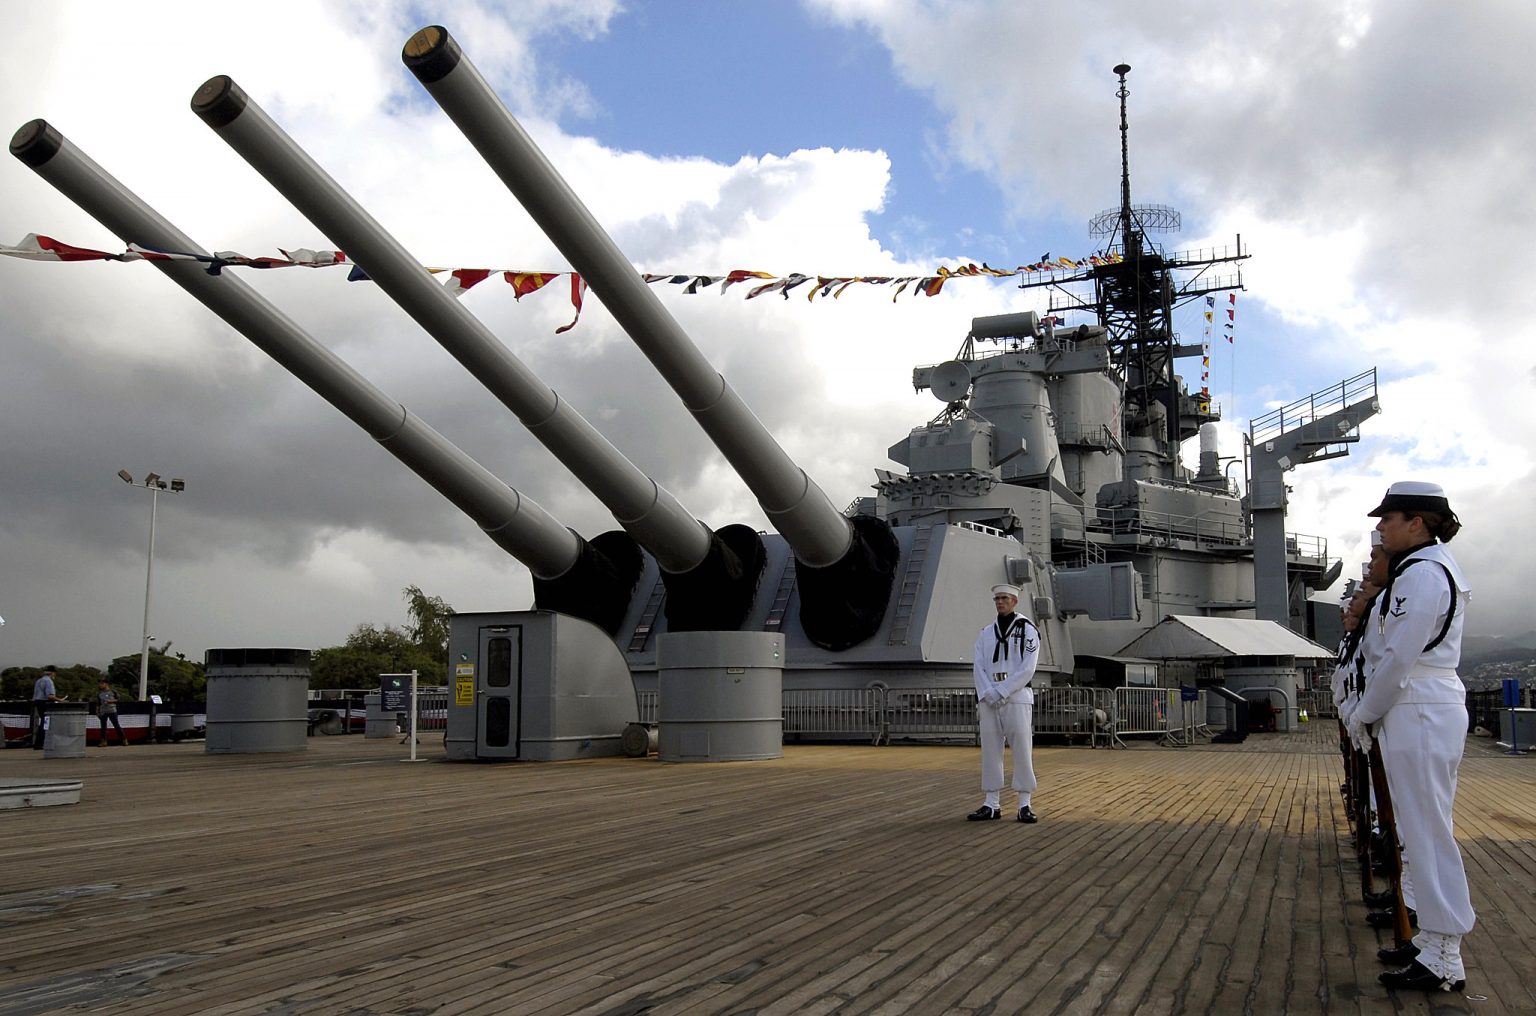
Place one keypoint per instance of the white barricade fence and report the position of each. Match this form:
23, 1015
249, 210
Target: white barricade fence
1317, 702
431, 709
880, 713
819, 712
1148, 710
1186, 721
1076, 712
931, 712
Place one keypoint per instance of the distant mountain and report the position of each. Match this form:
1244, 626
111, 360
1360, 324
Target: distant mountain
1483, 647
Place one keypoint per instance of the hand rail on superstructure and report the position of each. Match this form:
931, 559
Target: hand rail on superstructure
1318, 404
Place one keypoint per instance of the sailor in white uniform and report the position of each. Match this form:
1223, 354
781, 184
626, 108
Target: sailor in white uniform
1006, 652
1416, 703
1383, 904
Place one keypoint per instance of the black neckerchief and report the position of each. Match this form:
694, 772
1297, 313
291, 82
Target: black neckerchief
1397, 559
1002, 631
1351, 644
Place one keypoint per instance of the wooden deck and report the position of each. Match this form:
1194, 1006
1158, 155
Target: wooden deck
835, 880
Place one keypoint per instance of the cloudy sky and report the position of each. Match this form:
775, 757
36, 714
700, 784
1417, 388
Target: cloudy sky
1373, 155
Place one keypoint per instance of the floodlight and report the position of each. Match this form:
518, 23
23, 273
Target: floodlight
178, 484
127, 476
151, 479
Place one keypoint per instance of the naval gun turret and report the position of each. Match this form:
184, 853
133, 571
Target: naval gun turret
710, 577
845, 566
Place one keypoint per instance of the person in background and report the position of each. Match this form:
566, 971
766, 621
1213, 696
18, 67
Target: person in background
106, 709
1004, 666
44, 693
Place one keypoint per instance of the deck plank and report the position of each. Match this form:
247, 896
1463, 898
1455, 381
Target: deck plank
838, 879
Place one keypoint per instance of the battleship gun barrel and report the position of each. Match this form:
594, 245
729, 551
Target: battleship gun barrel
678, 541
517, 524
846, 566
798, 508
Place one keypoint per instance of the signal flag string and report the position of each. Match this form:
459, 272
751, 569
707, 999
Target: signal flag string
34, 247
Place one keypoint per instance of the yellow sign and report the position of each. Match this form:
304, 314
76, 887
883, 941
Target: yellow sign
464, 684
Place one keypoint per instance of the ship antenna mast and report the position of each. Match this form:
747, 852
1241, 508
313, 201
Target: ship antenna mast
1125, 161
1135, 291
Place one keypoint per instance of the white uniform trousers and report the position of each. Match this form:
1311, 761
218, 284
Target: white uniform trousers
1421, 747
1014, 721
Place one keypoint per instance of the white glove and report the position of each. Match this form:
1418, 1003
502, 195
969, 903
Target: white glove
1360, 733
993, 696
1347, 711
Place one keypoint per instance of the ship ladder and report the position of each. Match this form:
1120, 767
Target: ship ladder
911, 582
775, 621
647, 621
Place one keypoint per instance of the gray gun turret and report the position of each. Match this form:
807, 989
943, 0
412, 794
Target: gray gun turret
710, 577
845, 567
553, 553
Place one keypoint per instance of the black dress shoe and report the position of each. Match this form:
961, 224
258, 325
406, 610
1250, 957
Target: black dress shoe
1382, 900
982, 814
1388, 919
1399, 955
1417, 977
1025, 815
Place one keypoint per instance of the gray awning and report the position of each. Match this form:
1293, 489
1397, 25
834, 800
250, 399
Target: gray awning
1201, 638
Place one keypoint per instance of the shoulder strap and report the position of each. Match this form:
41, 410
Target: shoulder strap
1386, 599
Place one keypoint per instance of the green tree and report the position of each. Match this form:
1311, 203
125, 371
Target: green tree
76, 682
428, 624
173, 678
421, 645
368, 652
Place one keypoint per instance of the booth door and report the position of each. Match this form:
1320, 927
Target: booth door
498, 692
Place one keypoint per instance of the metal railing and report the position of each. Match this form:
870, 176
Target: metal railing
1485, 707
881, 714
1229, 531
647, 703
1147, 710
431, 709
1315, 406
822, 712
928, 712
1317, 703
1072, 712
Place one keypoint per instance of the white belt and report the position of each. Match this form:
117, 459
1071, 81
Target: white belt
1422, 671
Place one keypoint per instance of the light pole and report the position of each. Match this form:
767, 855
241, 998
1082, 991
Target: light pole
154, 484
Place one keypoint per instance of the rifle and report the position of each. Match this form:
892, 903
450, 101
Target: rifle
1394, 861
1360, 763
1357, 805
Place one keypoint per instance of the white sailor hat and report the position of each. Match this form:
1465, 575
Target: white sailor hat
1375, 539
1413, 496
1004, 589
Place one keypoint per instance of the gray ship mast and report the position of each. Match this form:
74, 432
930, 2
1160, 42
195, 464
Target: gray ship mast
1135, 292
